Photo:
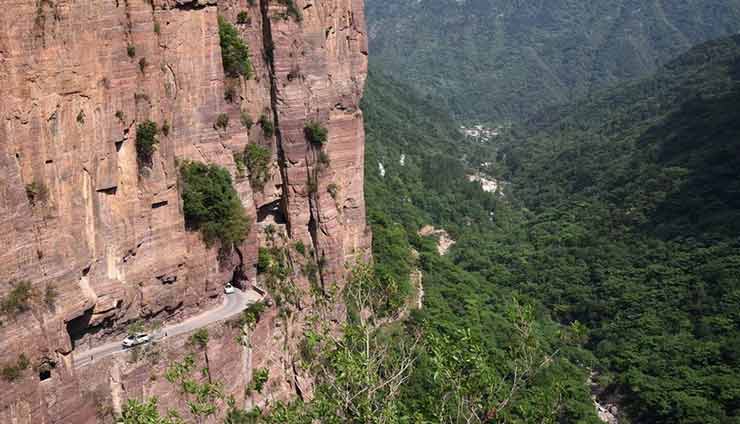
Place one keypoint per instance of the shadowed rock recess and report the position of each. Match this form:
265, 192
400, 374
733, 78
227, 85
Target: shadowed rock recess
101, 237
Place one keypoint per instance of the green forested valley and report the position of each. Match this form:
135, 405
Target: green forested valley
494, 60
621, 214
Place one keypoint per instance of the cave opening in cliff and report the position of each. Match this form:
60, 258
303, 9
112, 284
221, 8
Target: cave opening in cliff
44, 374
79, 327
272, 212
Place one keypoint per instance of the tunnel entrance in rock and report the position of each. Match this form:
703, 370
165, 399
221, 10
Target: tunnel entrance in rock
271, 212
79, 327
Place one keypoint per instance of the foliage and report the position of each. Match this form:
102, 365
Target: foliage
333, 190
239, 416
275, 265
137, 412
264, 260
268, 129
634, 224
251, 316
292, 9
240, 165
460, 299
18, 300
146, 142
12, 372
503, 60
323, 160
234, 52
300, 247
246, 120
259, 379
620, 215
211, 205
257, 159
243, 18
380, 295
222, 121
230, 93
316, 133
202, 397
199, 338
131, 50
51, 294
37, 193
143, 64
135, 327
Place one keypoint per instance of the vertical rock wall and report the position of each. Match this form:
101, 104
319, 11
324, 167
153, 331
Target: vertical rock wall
76, 78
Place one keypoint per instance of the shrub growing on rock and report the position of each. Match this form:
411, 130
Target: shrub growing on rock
333, 190
211, 205
37, 193
146, 142
316, 133
259, 378
292, 9
18, 300
230, 93
251, 316
246, 120
243, 18
300, 247
50, 296
222, 121
166, 128
257, 160
323, 160
11, 372
267, 128
234, 52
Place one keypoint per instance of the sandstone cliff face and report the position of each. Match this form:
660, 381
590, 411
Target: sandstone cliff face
76, 78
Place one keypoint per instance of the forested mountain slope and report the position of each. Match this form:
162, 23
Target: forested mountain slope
423, 182
621, 214
635, 197
499, 59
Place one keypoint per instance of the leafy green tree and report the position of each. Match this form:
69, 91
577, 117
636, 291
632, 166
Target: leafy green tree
268, 128
257, 159
203, 399
234, 52
146, 142
136, 412
316, 133
211, 204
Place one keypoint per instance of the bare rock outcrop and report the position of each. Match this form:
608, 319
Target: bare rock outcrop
101, 239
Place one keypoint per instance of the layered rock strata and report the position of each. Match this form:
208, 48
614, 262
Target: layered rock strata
101, 239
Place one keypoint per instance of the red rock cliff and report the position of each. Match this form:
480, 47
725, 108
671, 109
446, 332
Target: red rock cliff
76, 78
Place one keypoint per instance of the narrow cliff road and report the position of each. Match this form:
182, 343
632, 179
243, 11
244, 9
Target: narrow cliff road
232, 305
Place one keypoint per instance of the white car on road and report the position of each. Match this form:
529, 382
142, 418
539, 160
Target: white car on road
136, 339
229, 289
